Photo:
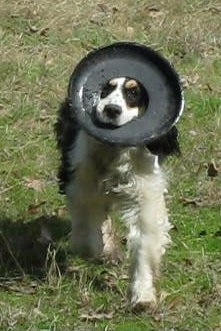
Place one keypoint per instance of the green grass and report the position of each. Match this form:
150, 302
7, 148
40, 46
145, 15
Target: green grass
43, 287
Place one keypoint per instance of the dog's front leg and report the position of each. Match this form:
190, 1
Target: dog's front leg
87, 213
86, 239
142, 291
147, 239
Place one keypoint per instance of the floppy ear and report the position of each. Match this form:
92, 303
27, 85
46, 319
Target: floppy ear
66, 126
166, 145
66, 130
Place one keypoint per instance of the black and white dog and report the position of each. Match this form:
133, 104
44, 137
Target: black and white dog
98, 178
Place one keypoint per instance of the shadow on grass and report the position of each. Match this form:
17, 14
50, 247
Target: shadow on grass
28, 247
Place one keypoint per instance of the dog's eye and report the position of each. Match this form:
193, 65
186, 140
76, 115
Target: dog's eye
133, 91
107, 90
132, 94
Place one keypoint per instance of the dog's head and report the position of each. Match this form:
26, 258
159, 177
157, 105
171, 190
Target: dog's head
121, 100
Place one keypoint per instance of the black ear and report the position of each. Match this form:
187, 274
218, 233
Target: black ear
144, 96
66, 127
166, 145
66, 130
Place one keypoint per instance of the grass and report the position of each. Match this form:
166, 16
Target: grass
42, 287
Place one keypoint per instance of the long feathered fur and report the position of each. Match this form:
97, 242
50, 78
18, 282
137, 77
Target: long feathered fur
99, 178
67, 129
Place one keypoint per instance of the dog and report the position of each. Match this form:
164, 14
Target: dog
99, 178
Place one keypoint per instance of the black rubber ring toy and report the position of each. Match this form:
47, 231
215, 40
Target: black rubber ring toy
127, 59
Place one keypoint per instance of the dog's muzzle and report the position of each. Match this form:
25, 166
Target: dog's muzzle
112, 111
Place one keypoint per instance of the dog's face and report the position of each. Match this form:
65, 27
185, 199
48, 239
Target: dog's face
121, 100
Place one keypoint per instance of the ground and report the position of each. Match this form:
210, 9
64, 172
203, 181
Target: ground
42, 287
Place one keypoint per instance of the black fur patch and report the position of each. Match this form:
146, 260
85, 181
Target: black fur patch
107, 89
135, 96
66, 130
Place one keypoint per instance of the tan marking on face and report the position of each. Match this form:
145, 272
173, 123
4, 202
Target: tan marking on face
131, 83
113, 82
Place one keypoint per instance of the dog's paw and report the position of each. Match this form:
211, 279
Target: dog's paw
113, 257
144, 300
111, 251
140, 306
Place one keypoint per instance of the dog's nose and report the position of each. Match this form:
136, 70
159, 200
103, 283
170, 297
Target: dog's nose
112, 111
